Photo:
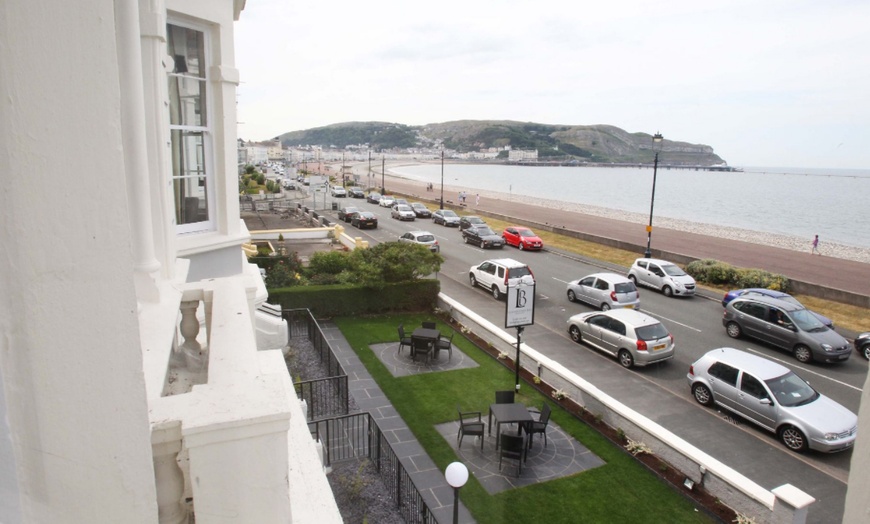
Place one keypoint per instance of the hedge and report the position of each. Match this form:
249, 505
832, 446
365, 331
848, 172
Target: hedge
719, 273
350, 299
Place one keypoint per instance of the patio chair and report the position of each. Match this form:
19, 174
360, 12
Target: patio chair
445, 344
512, 447
421, 346
540, 425
429, 325
504, 397
470, 423
403, 339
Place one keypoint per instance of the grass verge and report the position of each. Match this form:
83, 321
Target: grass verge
620, 491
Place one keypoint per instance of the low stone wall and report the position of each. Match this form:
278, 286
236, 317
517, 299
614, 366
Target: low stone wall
783, 505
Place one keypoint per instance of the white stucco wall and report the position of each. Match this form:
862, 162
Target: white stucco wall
70, 360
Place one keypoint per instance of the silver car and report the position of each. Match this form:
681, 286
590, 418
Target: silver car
662, 275
403, 212
445, 217
605, 291
635, 338
787, 326
423, 238
772, 396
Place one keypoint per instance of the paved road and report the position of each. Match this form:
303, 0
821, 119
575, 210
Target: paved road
835, 273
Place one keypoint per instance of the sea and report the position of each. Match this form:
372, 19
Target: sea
796, 202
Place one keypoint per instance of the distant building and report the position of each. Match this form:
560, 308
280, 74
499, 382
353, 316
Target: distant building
518, 155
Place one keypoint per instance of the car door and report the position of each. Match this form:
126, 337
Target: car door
486, 275
723, 384
612, 335
641, 272
755, 402
780, 328
599, 292
592, 329
750, 317
655, 276
583, 289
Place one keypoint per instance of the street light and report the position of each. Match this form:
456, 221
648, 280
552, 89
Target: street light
442, 178
456, 475
383, 186
657, 140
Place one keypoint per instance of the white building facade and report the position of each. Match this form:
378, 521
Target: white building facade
138, 382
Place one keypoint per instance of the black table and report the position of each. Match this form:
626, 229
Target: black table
428, 335
508, 414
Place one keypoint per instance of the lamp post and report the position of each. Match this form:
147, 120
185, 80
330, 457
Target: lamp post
456, 475
369, 174
442, 178
657, 140
383, 186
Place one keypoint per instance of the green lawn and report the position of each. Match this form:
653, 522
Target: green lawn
620, 491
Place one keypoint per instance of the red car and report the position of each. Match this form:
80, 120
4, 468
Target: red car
522, 237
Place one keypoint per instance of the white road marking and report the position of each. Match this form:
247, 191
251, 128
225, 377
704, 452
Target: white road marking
805, 370
671, 321
562, 281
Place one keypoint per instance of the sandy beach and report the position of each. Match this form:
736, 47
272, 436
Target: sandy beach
804, 245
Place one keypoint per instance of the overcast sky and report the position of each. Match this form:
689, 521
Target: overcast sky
764, 82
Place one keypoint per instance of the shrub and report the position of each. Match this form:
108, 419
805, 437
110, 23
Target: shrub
711, 271
719, 273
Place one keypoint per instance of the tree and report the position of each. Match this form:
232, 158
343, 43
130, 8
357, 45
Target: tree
391, 262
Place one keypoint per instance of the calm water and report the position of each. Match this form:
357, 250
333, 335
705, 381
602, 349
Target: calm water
789, 201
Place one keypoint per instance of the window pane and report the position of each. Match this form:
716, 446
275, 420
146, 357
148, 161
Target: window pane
186, 100
189, 180
186, 47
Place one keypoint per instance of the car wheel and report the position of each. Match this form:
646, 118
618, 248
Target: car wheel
633, 279
702, 394
667, 291
574, 331
625, 358
472, 280
866, 351
733, 330
803, 353
481, 244
605, 307
793, 439
520, 245
571, 296
465, 239
496, 294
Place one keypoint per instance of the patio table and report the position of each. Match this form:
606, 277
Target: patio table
508, 414
430, 336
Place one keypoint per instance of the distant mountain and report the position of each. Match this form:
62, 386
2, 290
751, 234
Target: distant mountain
596, 143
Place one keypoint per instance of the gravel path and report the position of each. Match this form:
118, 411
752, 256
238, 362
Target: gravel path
359, 492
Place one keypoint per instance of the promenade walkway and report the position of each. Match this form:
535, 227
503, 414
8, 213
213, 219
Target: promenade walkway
838, 274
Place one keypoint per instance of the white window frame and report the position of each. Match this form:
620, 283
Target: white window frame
209, 161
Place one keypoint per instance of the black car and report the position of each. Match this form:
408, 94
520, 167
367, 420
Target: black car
374, 197
482, 236
364, 219
468, 221
862, 344
421, 210
346, 213
356, 192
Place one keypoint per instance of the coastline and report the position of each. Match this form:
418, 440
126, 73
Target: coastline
791, 243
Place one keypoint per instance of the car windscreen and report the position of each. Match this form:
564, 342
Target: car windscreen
519, 272
484, 231
366, 214
624, 287
526, 233
651, 332
448, 213
426, 238
403, 207
791, 390
807, 321
673, 270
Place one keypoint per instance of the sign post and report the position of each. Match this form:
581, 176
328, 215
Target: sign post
520, 312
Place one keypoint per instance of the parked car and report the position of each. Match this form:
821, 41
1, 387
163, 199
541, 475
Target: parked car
289, 185
373, 198
402, 212
773, 397
634, 338
421, 210
604, 291
482, 236
401, 201
785, 325
445, 217
356, 192
338, 191
386, 201
346, 213
495, 275
862, 344
423, 238
364, 219
662, 275
469, 221
760, 291
522, 237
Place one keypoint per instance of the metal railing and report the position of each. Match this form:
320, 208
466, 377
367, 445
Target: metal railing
358, 436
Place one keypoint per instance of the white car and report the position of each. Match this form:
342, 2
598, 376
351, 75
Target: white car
634, 338
662, 275
423, 238
604, 291
495, 275
386, 201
